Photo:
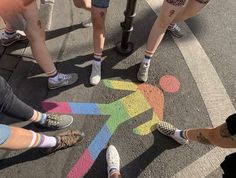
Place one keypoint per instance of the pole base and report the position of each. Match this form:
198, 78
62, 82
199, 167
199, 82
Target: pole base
125, 51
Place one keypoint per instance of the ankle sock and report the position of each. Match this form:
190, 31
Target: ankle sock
7, 34
148, 56
38, 117
181, 134
97, 57
42, 141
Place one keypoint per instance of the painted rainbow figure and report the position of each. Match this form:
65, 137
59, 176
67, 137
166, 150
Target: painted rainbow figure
143, 98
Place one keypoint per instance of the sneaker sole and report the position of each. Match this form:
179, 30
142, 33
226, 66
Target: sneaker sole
9, 44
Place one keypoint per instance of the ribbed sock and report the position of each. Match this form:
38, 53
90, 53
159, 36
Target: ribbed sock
38, 117
42, 141
181, 134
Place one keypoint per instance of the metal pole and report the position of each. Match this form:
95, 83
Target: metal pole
125, 47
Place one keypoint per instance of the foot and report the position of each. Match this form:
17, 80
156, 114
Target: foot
113, 159
95, 74
62, 80
175, 30
143, 72
87, 23
57, 121
169, 130
6, 41
65, 140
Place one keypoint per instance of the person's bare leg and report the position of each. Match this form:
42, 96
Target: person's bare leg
192, 8
36, 37
167, 13
13, 138
218, 136
98, 19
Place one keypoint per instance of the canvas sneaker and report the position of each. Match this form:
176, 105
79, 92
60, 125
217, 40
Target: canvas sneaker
6, 41
113, 158
175, 30
62, 80
57, 121
169, 130
142, 74
65, 140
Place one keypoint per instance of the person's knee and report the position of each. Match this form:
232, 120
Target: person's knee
82, 4
5, 132
99, 21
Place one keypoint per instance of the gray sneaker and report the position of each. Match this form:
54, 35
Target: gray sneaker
142, 74
95, 74
87, 23
169, 130
57, 121
65, 140
9, 41
63, 80
175, 30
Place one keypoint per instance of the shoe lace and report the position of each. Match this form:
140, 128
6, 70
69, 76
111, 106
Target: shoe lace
63, 76
52, 120
176, 27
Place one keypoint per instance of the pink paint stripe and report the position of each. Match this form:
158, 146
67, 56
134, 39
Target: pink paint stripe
57, 107
82, 166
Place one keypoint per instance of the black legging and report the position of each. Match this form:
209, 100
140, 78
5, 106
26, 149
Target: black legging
11, 105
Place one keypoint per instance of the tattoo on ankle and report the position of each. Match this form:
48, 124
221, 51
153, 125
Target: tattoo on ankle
176, 2
202, 139
203, 1
171, 13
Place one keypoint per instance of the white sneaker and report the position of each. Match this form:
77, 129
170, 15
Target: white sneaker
87, 23
96, 73
113, 159
62, 80
169, 130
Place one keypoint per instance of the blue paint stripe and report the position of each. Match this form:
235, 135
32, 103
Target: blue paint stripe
85, 108
99, 142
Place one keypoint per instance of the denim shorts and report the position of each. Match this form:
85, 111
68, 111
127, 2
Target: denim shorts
5, 133
101, 3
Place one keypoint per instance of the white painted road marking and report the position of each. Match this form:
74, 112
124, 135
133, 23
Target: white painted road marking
214, 95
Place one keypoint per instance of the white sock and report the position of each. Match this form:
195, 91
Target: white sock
7, 35
146, 60
42, 141
48, 142
97, 62
179, 134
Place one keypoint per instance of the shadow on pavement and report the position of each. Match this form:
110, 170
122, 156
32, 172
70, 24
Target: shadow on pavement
26, 156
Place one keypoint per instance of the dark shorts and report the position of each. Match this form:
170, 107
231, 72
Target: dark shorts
231, 125
101, 3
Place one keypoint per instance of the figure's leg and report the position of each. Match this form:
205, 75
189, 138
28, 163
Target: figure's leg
14, 138
36, 37
223, 136
168, 12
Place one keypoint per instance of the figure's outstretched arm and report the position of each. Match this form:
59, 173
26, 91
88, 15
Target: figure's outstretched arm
120, 85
